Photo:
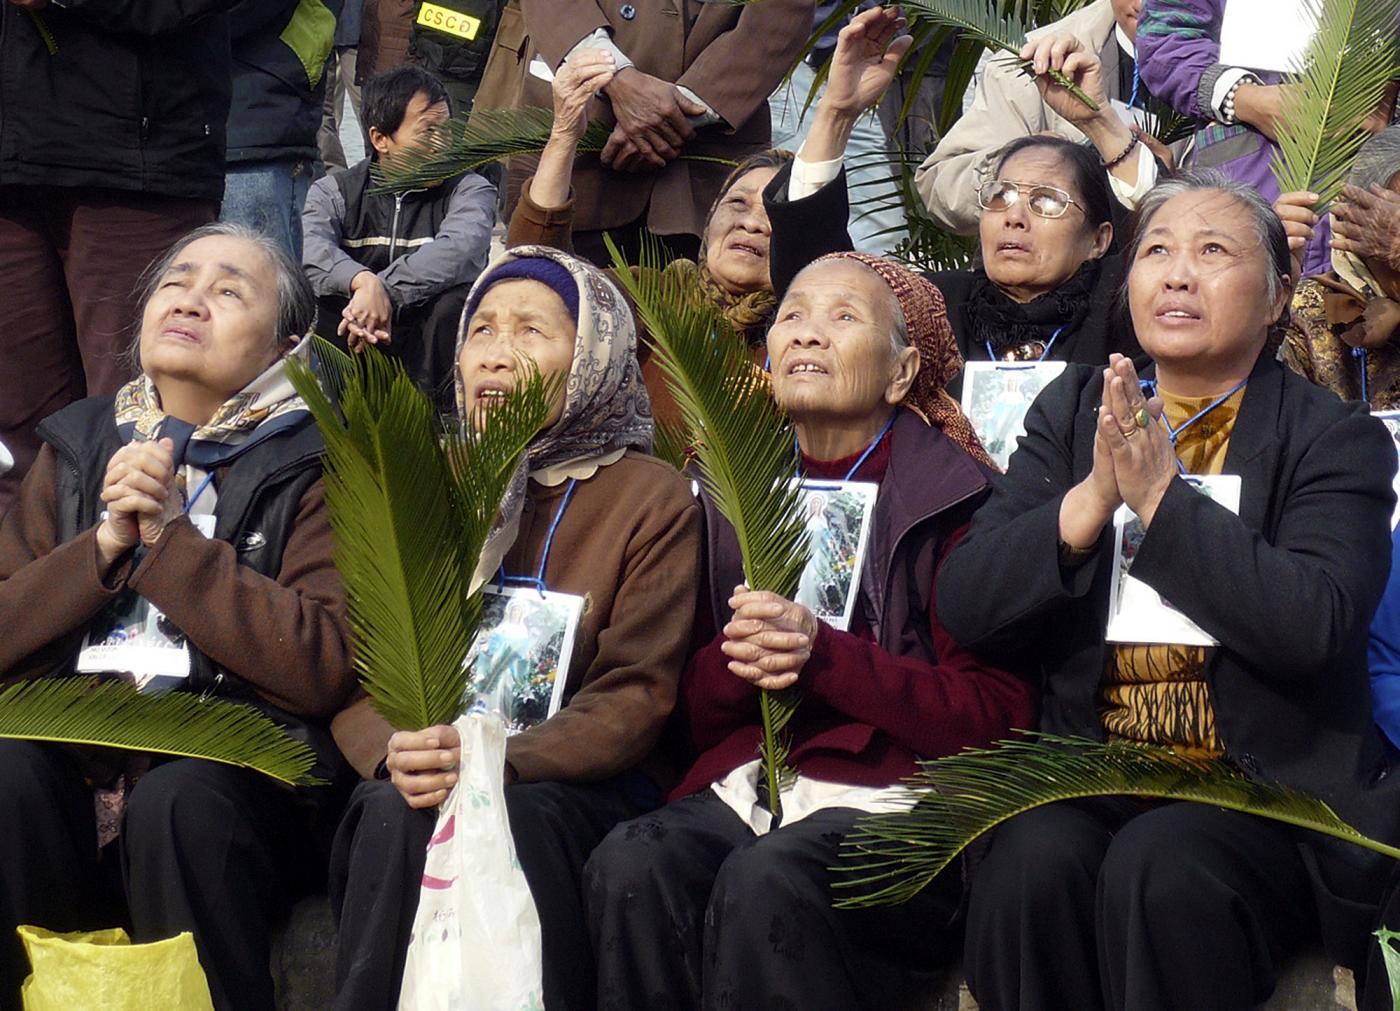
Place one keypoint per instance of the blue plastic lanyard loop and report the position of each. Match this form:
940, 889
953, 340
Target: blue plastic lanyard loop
1043, 354
1174, 433
198, 492
865, 455
1360, 355
537, 580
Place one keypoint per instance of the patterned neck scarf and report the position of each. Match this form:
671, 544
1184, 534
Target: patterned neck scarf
926, 320
262, 408
606, 408
750, 314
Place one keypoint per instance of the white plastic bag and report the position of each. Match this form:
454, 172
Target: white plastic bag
476, 935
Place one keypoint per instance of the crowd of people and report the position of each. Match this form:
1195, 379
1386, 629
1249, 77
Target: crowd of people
178, 219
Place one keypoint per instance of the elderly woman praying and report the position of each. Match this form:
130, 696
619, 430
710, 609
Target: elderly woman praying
1127, 904
860, 352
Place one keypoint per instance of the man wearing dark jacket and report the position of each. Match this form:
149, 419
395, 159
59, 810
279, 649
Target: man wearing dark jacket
112, 116
280, 49
394, 269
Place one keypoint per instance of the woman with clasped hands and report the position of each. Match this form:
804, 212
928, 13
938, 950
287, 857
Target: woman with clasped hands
1119, 902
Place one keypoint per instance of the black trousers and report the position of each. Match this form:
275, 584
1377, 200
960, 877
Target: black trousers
1113, 904
689, 909
423, 337
218, 851
377, 868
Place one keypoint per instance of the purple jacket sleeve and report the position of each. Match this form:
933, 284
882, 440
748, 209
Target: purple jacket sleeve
1178, 51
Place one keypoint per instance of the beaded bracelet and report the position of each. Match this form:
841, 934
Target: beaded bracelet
1227, 107
1132, 146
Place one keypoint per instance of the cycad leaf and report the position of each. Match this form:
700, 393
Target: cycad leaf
925, 244
744, 447
113, 714
1338, 84
889, 857
673, 443
408, 536
488, 135
984, 22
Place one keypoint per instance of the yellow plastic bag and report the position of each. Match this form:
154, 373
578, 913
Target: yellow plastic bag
104, 971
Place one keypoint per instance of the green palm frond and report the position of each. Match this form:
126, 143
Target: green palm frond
113, 714
672, 443
989, 26
1338, 84
488, 135
889, 857
744, 448
1391, 956
411, 508
1165, 123
925, 245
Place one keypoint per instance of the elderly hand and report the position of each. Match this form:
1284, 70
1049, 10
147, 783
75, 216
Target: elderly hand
1367, 223
651, 113
623, 154
575, 85
1144, 459
141, 497
1295, 210
423, 765
1260, 106
769, 639
868, 51
1064, 52
366, 318
1088, 506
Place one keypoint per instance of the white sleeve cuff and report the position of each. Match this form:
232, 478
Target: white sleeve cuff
810, 176
1223, 84
705, 118
599, 38
1129, 196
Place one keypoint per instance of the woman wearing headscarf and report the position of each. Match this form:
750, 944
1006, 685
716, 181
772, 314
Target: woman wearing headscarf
860, 353
590, 514
1344, 333
731, 269
189, 506
1118, 902
1046, 289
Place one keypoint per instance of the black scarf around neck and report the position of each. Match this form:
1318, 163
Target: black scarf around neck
1006, 324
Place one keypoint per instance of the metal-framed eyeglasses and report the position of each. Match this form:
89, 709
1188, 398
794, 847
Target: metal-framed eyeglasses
1041, 200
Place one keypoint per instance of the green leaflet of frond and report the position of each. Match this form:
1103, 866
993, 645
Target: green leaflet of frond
399, 538
1387, 939
887, 858
1165, 123
746, 456
488, 135
672, 443
113, 714
983, 22
1338, 83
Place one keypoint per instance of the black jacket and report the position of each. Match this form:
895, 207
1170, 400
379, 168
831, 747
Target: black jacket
279, 58
1288, 587
135, 96
259, 494
803, 230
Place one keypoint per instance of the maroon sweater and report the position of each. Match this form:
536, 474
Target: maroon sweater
866, 716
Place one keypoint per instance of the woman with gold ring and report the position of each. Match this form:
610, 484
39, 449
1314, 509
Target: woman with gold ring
1119, 903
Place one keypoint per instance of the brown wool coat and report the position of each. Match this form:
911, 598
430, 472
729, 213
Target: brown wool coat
286, 637
629, 543
731, 55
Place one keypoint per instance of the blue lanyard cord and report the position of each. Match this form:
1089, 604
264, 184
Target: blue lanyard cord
1043, 354
1360, 355
1174, 433
537, 580
199, 491
797, 449
1137, 80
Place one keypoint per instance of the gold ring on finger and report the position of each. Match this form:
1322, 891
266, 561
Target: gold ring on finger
1142, 418
1128, 432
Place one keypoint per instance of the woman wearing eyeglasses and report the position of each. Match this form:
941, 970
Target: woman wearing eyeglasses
1047, 287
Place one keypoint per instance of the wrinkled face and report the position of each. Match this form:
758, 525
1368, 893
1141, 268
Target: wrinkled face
1125, 12
1026, 255
515, 320
212, 318
420, 117
830, 348
736, 239
1198, 285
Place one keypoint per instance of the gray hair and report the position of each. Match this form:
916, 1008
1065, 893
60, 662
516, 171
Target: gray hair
296, 302
1378, 161
1267, 225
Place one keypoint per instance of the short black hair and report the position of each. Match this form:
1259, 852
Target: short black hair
385, 97
1090, 177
